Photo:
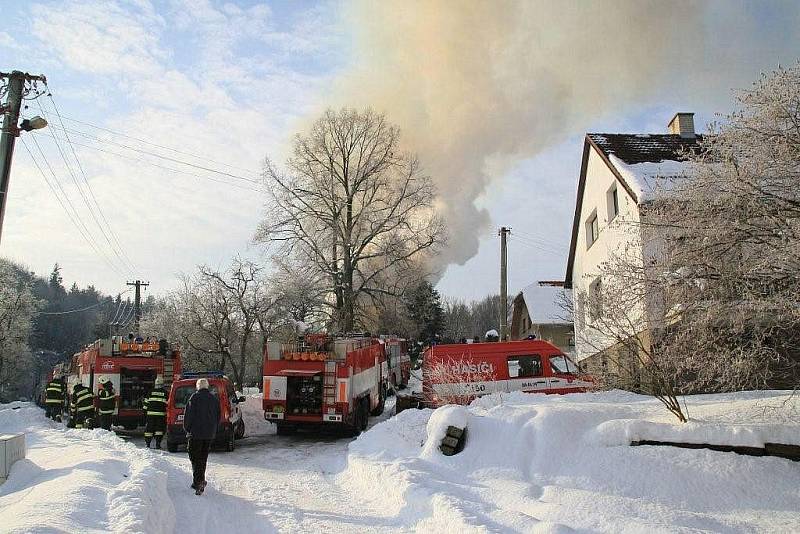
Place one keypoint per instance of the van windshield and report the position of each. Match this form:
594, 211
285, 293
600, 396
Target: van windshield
562, 365
183, 393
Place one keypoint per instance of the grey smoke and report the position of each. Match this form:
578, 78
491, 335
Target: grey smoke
478, 85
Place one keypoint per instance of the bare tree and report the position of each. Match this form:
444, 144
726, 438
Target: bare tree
353, 206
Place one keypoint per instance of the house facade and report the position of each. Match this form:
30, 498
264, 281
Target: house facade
619, 174
539, 310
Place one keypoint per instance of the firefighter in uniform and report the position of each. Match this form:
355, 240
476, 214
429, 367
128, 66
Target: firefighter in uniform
54, 398
155, 406
106, 404
82, 405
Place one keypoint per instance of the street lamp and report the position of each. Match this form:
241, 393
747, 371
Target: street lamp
34, 123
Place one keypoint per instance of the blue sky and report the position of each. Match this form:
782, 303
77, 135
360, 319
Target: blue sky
233, 81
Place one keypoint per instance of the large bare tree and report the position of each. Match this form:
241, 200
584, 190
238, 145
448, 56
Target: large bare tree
354, 207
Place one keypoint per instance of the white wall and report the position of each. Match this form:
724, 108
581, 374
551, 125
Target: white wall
615, 235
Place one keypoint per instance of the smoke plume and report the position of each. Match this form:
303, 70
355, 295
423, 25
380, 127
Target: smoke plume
477, 85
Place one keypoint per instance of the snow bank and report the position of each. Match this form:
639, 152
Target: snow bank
450, 415
556, 463
77, 480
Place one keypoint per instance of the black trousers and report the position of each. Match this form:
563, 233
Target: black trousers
52, 411
105, 420
155, 426
198, 454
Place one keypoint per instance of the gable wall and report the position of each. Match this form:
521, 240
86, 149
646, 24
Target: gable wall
613, 236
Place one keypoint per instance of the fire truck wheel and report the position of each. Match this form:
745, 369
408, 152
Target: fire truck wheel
240, 429
172, 446
364, 413
381, 405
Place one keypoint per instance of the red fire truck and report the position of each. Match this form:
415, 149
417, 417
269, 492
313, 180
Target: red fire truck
324, 381
131, 367
458, 373
399, 362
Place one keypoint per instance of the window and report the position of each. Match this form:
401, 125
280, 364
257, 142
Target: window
524, 366
612, 197
595, 300
183, 393
562, 365
592, 229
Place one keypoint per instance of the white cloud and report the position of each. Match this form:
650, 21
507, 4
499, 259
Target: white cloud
207, 79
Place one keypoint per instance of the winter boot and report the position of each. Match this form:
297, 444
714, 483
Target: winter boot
147, 443
200, 487
158, 443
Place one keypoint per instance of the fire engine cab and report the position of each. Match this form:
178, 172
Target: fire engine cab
131, 367
323, 380
458, 373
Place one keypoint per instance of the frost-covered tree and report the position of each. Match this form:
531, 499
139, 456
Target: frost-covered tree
704, 297
17, 308
354, 207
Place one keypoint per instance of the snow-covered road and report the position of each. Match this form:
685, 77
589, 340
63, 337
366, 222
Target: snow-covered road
274, 483
532, 463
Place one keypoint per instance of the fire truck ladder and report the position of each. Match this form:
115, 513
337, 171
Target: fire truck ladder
329, 386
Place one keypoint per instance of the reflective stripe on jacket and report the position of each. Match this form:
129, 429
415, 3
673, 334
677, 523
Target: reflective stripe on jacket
83, 400
54, 394
156, 403
107, 401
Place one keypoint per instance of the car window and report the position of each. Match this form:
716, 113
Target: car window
182, 394
562, 365
526, 366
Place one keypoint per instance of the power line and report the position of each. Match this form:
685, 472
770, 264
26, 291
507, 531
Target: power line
168, 158
150, 143
126, 265
121, 249
148, 162
72, 311
73, 215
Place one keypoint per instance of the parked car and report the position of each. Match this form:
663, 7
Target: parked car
231, 422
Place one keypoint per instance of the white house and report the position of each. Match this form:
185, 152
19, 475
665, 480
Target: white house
617, 176
539, 310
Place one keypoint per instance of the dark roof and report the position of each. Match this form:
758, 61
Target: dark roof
640, 148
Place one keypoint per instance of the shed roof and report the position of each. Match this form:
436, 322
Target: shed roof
545, 303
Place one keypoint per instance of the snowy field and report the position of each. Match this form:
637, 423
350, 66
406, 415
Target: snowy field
532, 463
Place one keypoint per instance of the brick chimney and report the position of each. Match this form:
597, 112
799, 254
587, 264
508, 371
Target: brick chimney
682, 124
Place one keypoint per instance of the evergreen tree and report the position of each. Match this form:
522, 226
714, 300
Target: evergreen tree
425, 311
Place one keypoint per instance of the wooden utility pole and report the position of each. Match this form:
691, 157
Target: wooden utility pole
137, 303
14, 87
503, 232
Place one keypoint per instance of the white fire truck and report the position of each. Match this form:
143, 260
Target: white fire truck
324, 381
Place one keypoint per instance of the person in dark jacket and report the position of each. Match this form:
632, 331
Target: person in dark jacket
82, 406
106, 404
200, 420
155, 407
54, 398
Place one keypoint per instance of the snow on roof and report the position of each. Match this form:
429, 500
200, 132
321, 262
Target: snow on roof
648, 178
544, 303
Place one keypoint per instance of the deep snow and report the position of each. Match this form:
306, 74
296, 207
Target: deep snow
532, 463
